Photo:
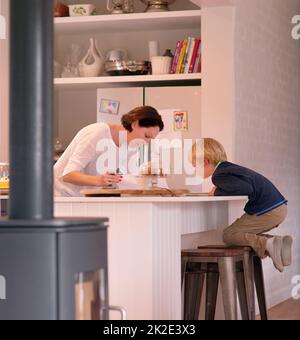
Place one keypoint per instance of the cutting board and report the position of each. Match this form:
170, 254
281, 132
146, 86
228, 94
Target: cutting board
136, 192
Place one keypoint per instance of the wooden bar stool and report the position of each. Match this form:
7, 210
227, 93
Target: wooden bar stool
236, 267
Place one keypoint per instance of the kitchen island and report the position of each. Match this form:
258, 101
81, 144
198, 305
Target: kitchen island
145, 238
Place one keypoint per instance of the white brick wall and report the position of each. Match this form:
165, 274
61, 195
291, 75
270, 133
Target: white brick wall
268, 112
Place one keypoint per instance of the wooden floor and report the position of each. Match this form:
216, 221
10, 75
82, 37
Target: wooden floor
288, 310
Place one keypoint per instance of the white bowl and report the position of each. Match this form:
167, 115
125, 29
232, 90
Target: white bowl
81, 10
161, 65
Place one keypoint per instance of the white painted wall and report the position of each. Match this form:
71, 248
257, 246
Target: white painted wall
268, 112
4, 87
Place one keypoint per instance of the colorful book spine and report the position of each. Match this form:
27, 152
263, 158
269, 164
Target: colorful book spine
189, 40
198, 60
176, 57
181, 58
189, 56
194, 56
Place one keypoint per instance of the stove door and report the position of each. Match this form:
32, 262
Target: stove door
82, 275
90, 296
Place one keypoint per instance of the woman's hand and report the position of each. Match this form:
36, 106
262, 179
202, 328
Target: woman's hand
80, 179
109, 179
212, 192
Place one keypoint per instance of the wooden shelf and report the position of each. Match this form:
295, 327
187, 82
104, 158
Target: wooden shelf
129, 22
148, 80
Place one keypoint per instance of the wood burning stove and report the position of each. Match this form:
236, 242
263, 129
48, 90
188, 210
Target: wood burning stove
49, 269
55, 270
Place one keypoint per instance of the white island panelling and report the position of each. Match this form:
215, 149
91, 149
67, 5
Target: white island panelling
144, 244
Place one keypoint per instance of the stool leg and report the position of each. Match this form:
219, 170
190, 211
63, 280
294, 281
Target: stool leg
249, 280
260, 288
183, 269
242, 291
212, 284
193, 287
228, 282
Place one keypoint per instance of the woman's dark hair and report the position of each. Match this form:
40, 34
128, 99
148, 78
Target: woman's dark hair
147, 117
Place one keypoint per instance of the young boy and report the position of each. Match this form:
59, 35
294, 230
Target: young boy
264, 211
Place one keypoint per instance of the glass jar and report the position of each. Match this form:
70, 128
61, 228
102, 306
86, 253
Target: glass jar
4, 176
128, 6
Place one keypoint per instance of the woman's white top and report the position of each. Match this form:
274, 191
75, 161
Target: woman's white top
85, 155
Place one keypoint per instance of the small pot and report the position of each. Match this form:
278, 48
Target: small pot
60, 10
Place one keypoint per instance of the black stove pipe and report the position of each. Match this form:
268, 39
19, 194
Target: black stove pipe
31, 112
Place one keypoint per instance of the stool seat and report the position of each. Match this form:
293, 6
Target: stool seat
224, 246
214, 252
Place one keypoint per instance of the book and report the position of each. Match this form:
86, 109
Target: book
198, 61
176, 57
189, 56
189, 40
181, 58
194, 56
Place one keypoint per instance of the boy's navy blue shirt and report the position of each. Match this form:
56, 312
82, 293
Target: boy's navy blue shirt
234, 180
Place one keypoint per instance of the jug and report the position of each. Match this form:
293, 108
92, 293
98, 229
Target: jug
92, 65
117, 6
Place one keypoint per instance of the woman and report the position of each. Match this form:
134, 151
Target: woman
79, 167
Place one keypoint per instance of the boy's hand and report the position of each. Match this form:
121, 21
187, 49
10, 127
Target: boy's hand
212, 192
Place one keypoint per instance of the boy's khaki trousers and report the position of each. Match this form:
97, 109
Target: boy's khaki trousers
249, 230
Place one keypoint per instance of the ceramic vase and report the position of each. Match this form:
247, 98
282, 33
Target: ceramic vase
92, 65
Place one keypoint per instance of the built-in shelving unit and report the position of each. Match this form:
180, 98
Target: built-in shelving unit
163, 26
147, 80
129, 22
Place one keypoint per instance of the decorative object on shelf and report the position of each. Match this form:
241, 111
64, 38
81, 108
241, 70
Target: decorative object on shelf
114, 55
161, 65
168, 53
92, 65
117, 7
127, 67
82, 10
60, 9
128, 6
157, 5
70, 71
153, 49
57, 69
71, 62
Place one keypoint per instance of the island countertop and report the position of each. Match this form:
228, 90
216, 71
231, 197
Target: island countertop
149, 199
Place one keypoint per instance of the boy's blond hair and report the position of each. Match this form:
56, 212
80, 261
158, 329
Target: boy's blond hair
214, 151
